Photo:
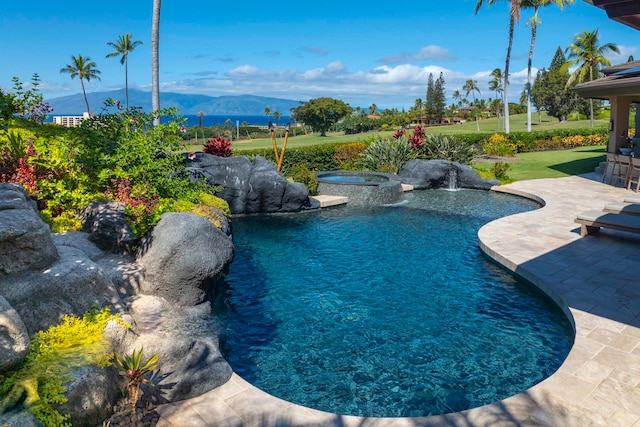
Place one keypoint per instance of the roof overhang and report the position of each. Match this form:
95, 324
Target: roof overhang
606, 89
626, 12
619, 80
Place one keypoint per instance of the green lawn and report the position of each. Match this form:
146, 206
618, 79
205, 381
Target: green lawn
518, 123
545, 164
552, 164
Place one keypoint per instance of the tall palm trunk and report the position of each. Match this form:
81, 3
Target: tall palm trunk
512, 24
155, 41
126, 81
86, 101
534, 28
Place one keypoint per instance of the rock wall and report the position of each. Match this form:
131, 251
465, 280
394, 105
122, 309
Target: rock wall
426, 174
44, 276
250, 187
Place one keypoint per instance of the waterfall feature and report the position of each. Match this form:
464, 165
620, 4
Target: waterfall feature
452, 179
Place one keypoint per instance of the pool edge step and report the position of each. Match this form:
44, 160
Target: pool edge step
328, 201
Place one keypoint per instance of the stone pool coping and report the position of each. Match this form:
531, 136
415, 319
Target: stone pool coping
595, 279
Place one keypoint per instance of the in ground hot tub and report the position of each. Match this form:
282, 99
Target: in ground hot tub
361, 188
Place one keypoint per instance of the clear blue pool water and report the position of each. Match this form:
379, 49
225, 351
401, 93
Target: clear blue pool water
386, 311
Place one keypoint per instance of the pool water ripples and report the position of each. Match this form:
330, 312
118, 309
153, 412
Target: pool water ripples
386, 311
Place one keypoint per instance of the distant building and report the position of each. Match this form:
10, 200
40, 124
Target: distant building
70, 121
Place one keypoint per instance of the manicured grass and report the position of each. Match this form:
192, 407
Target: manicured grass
552, 164
518, 123
544, 164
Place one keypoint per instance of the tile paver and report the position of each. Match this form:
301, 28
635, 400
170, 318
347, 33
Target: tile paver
595, 279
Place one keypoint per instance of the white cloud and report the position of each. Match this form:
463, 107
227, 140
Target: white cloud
623, 56
243, 70
430, 52
388, 86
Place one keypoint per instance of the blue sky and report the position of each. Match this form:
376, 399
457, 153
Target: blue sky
362, 52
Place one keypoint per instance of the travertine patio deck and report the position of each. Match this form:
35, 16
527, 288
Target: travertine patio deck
596, 279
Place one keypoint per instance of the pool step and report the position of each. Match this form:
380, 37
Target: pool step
407, 187
328, 201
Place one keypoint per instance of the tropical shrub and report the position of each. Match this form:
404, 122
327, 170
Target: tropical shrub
301, 173
316, 157
498, 145
347, 155
205, 205
15, 153
134, 368
387, 155
54, 354
500, 169
218, 146
114, 156
447, 148
416, 139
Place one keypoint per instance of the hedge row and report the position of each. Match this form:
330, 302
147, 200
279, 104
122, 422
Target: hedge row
330, 157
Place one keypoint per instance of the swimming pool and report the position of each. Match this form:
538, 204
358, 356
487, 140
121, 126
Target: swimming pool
386, 311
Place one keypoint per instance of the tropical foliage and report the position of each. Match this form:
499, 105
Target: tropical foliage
38, 383
218, 146
118, 156
447, 148
387, 155
588, 54
135, 369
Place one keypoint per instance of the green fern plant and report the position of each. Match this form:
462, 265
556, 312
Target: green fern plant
134, 368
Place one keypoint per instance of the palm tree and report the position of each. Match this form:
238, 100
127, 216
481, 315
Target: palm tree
586, 52
495, 84
155, 64
457, 96
471, 86
276, 116
123, 46
514, 16
200, 116
372, 109
535, 21
267, 112
418, 106
83, 68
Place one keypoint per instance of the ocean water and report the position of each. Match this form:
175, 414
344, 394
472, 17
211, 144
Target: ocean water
219, 119
213, 120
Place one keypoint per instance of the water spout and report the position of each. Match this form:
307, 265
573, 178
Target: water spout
452, 179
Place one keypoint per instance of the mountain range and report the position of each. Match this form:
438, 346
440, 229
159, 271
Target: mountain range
187, 104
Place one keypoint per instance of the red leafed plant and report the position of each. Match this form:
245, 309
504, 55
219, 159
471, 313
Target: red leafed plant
15, 166
218, 146
138, 201
416, 139
398, 134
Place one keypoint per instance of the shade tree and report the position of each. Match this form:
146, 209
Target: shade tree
321, 113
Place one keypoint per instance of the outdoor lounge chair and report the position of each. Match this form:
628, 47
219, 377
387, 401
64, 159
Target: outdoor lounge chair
592, 221
632, 199
622, 208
